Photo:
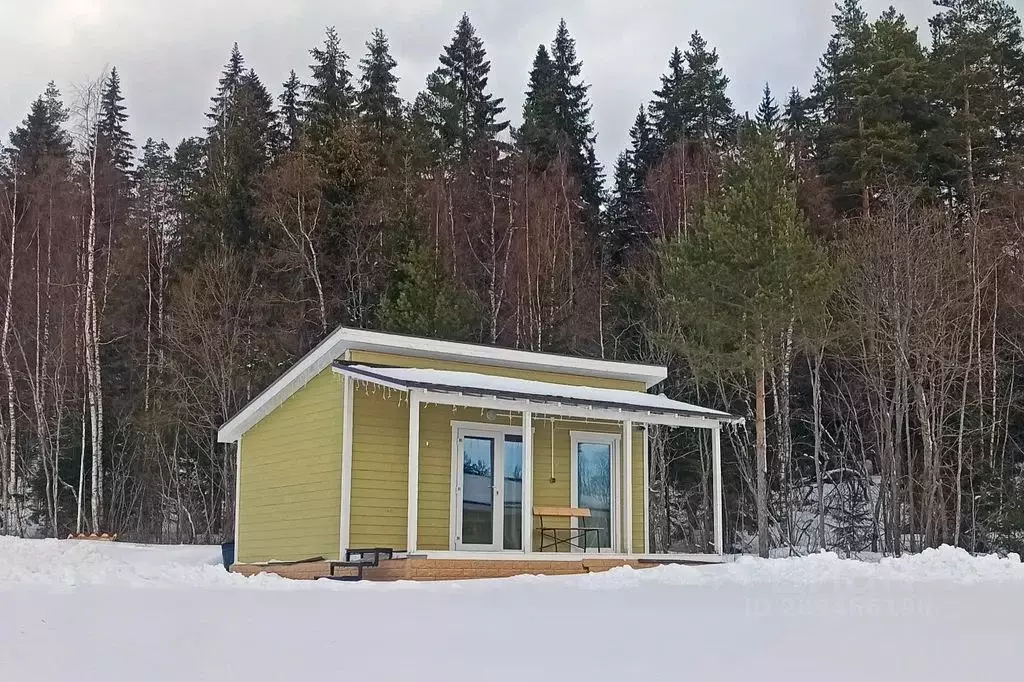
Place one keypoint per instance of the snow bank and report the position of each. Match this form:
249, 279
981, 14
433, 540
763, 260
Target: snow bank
67, 563
107, 612
83, 562
945, 564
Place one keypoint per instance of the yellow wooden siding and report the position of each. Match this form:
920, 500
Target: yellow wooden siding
433, 529
371, 357
290, 486
559, 492
638, 489
380, 466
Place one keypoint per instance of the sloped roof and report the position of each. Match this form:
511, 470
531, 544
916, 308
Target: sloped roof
344, 339
540, 393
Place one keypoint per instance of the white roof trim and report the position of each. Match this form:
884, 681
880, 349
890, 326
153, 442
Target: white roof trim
345, 338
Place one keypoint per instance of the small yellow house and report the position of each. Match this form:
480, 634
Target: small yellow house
465, 460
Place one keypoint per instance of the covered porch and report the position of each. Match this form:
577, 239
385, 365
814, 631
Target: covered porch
509, 475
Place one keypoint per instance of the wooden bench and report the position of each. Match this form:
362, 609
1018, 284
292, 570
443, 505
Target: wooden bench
574, 537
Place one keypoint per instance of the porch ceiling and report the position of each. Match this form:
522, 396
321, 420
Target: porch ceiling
481, 390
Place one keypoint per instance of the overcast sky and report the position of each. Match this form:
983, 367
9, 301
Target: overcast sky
170, 53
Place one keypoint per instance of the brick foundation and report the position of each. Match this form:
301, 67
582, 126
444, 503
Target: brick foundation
421, 568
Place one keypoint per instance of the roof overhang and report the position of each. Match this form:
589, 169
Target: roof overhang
469, 389
344, 339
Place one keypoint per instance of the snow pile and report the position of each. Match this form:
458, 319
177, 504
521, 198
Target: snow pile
67, 563
83, 562
945, 564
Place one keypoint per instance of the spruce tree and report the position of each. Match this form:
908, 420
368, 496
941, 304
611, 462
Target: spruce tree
456, 105
42, 133
707, 111
379, 103
240, 144
423, 301
767, 111
574, 108
290, 111
228, 83
796, 121
795, 115
114, 139
667, 110
643, 150
621, 220
556, 115
539, 133
628, 211
330, 95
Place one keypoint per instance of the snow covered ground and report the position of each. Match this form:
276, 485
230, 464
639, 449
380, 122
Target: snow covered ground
88, 611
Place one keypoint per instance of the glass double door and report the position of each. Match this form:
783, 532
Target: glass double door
489, 491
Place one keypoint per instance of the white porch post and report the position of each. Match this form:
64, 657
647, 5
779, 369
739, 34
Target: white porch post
627, 483
716, 482
238, 492
414, 471
527, 482
347, 406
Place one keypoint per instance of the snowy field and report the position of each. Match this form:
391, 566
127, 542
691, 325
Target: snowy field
96, 611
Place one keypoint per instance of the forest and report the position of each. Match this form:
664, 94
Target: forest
842, 267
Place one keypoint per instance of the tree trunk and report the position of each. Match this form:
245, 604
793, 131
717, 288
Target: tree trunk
819, 478
762, 465
12, 521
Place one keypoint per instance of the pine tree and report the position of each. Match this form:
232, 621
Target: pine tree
290, 112
330, 96
114, 139
155, 192
667, 109
978, 65
871, 100
456, 105
894, 101
767, 110
379, 103
42, 133
737, 285
707, 111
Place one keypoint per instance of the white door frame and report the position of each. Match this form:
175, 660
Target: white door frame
498, 432
615, 441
